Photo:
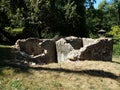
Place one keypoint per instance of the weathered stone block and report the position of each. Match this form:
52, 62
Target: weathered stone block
87, 41
49, 49
100, 49
66, 45
29, 46
36, 50
70, 48
96, 49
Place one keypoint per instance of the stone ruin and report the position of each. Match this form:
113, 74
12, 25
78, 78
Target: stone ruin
73, 48
43, 51
39, 51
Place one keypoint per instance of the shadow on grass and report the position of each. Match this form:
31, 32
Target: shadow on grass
116, 59
97, 73
15, 68
18, 68
7, 60
116, 62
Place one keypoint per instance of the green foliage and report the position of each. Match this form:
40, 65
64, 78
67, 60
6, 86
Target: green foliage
66, 17
15, 31
47, 34
116, 49
4, 20
104, 17
115, 32
93, 20
70, 9
17, 20
110, 14
5, 46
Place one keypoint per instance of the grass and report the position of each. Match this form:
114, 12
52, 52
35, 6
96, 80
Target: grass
79, 75
84, 75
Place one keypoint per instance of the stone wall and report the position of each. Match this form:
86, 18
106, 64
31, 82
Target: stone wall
69, 48
65, 45
35, 50
96, 49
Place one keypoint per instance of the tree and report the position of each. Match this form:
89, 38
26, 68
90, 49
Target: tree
4, 20
104, 17
64, 16
41, 18
110, 14
116, 4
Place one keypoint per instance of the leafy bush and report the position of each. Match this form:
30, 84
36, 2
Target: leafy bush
14, 31
115, 32
116, 49
48, 34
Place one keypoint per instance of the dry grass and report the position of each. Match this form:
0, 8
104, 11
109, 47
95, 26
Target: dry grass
79, 75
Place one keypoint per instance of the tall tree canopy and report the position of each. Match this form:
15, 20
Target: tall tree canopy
40, 17
104, 17
45, 18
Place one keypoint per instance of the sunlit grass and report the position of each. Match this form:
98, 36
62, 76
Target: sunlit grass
80, 75
5, 46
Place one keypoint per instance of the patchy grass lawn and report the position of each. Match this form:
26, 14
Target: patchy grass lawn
79, 75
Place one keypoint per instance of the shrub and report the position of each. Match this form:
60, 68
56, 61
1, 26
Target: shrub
16, 31
115, 32
116, 49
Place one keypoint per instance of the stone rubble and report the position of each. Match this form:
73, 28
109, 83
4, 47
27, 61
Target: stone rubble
43, 51
35, 50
